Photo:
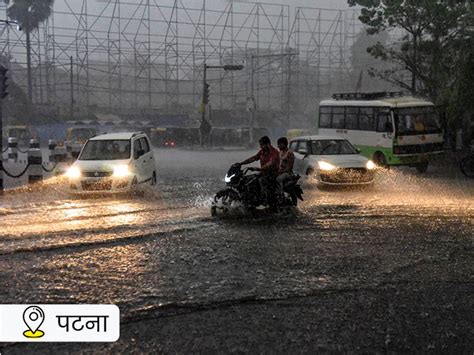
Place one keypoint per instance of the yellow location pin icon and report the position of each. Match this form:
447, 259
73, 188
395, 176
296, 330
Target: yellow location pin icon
33, 317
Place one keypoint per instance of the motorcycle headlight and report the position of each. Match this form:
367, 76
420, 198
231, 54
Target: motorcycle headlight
228, 178
73, 172
326, 166
370, 165
121, 171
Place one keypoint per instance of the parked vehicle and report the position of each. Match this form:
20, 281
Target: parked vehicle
76, 137
235, 137
172, 137
243, 190
389, 128
331, 160
113, 162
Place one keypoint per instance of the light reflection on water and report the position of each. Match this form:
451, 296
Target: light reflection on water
396, 192
397, 188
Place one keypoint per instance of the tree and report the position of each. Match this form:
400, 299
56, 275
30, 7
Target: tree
435, 48
30, 14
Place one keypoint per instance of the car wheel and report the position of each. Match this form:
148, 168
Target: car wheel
380, 160
422, 167
153, 179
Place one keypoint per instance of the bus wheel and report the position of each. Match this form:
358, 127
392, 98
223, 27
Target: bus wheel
422, 167
380, 160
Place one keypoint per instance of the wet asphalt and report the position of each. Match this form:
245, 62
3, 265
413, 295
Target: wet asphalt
387, 268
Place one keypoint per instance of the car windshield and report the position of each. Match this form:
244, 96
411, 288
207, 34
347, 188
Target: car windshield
417, 120
332, 147
106, 150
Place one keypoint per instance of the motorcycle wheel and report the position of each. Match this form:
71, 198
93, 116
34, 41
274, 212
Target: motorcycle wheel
223, 201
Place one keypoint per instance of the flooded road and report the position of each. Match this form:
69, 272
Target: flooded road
389, 267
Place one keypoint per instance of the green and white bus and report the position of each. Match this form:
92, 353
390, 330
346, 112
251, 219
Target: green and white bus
389, 128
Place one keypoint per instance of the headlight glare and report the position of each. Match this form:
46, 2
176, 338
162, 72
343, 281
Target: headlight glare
73, 172
121, 171
229, 178
370, 165
326, 166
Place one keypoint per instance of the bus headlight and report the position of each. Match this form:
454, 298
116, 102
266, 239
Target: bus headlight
370, 165
325, 166
121, 171
73, 172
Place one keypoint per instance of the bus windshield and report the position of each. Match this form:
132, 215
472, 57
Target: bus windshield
416, 120
106, 150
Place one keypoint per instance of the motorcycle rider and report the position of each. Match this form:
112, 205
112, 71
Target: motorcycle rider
269, 158
287, 160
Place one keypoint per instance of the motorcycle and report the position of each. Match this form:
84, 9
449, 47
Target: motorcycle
244, 190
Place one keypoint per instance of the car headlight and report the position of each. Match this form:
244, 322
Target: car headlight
325, 166
73, 172
370, 165
121, 171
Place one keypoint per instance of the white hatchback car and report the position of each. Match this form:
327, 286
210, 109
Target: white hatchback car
331, 160
113, 162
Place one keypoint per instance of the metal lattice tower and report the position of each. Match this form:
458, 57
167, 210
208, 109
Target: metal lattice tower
149, 54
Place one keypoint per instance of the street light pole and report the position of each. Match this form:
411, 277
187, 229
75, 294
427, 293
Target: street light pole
252, 103
252, 106
203, 107
71, 83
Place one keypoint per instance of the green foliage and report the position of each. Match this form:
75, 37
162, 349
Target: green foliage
436, 47
30, 13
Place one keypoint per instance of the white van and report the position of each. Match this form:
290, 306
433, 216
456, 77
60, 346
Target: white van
113, 162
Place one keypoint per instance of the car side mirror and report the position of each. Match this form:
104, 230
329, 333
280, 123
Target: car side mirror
358, 150
303, 152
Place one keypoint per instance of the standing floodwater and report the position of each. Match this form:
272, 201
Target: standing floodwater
161, 257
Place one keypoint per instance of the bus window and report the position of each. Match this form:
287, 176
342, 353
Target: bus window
325, 117
417, 120
384, 121
366, 119
338, 117
352, 118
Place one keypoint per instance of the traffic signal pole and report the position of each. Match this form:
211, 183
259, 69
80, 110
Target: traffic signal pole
205, 129
3, 94
1, 146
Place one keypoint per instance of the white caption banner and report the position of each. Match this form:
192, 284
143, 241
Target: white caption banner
59, 323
